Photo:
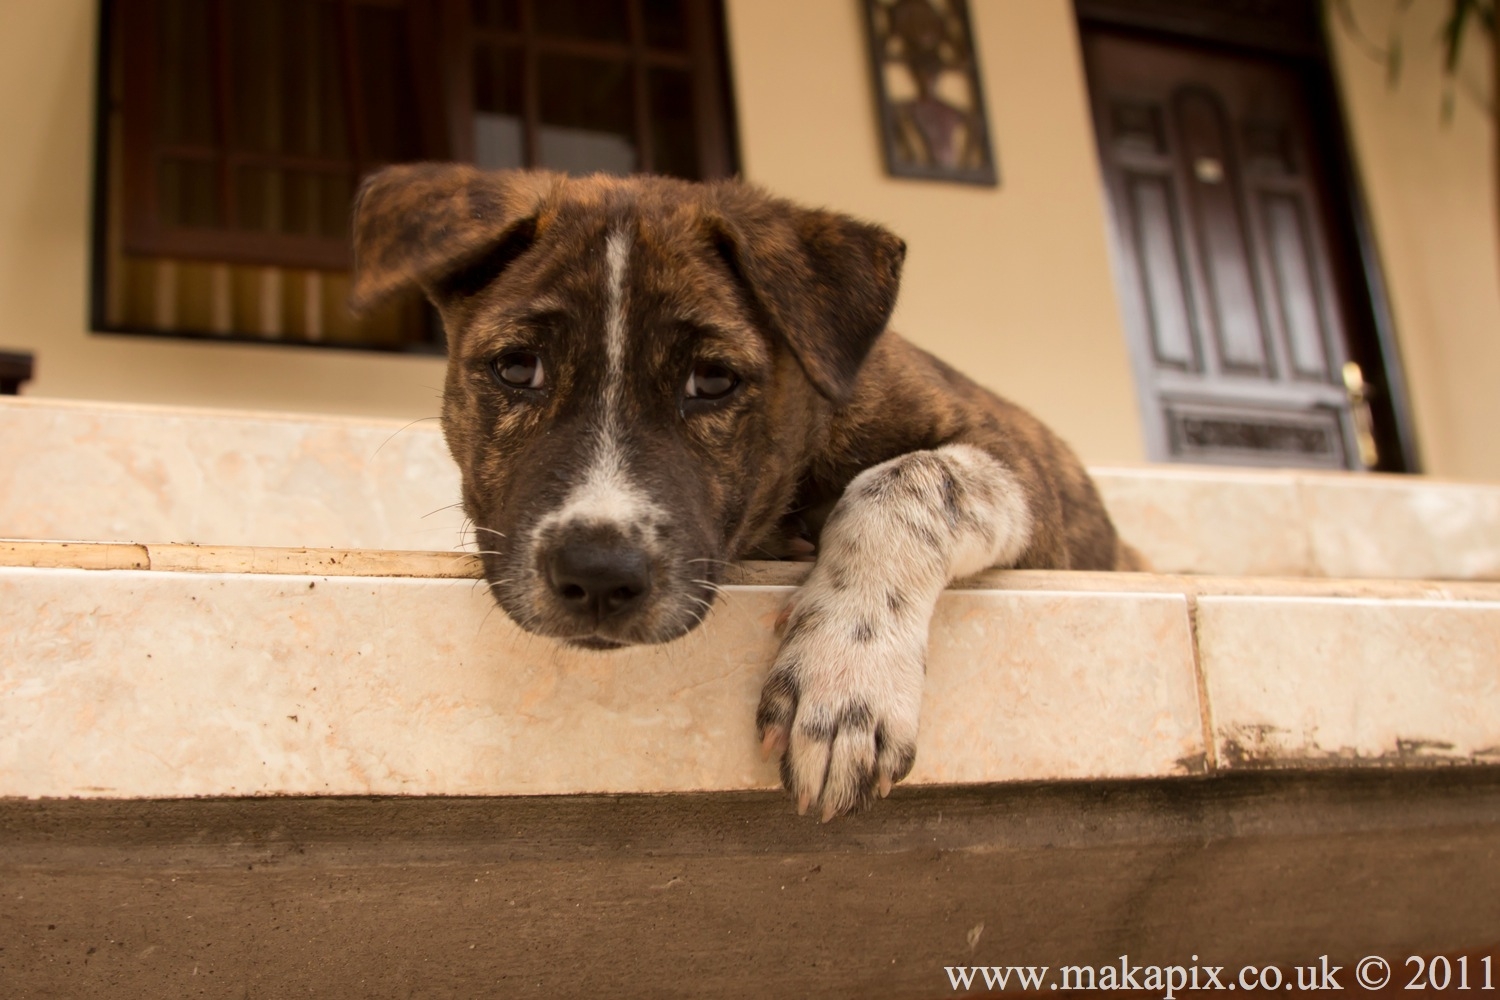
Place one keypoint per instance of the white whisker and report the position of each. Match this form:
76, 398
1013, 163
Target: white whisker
398, 431
710, 586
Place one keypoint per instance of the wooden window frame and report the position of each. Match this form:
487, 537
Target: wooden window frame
146, 234
129, 224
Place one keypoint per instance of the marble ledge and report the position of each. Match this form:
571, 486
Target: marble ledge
1299, 523
130, 473
149, 683
158, 683
1305, 683
187, 558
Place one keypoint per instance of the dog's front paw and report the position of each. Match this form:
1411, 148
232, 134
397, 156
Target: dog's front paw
842, 701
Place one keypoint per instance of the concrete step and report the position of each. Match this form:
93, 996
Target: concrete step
108, 472
244, 770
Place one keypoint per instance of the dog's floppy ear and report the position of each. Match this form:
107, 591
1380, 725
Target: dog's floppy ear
437, 224
824, 283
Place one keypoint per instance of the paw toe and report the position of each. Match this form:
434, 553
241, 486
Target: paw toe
851, 779
778, 702
804, 767
894, 758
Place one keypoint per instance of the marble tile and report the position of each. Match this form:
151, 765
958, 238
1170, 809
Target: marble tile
116, 472
128, 684
1059, 686
171, 684
1394, 526
1307, 682
1209, 521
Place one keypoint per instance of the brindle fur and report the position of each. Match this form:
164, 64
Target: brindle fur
794, 300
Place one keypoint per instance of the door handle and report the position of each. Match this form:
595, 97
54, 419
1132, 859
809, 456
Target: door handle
1208, 169
1358, 391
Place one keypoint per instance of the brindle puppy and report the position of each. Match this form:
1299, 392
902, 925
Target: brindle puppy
648, 378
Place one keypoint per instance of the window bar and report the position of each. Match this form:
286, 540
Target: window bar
270, 288
709, 126
223, 110
312, 305
349, 63
138, 46
311, 121
458, 76
645, 153
221, 299
164, 294
531, 153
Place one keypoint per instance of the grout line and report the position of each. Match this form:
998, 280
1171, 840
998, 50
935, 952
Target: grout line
74, 555
420, 564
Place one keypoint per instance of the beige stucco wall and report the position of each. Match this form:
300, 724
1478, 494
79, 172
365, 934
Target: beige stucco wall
1430, 187
1011, 284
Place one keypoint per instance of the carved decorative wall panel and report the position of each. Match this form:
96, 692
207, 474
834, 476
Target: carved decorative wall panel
928, 90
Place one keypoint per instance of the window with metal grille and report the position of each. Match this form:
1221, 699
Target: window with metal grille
597, 84
233, 134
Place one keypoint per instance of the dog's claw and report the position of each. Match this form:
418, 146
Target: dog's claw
803, 801
799, 547
774, 742
885, 785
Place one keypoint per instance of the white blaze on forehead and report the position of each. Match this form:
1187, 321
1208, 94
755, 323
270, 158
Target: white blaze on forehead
606, 492
616, 256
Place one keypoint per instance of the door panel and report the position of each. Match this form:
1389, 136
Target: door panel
1164, 272
1216, 220
1296, 288
1219, 212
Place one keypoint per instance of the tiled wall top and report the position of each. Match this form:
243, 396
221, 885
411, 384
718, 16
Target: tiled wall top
106, 472
115, 472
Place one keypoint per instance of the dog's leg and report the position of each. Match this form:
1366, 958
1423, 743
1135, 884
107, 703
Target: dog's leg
842, 701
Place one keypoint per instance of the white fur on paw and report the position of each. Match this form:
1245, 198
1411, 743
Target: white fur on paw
843, 699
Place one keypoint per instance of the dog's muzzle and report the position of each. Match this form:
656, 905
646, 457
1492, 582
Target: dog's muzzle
602, 586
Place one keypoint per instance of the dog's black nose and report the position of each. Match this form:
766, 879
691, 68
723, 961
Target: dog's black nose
598, 580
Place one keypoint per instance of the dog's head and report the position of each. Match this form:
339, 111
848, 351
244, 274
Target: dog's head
635, 367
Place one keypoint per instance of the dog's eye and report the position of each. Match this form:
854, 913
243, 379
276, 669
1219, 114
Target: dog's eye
709, 381
519, 370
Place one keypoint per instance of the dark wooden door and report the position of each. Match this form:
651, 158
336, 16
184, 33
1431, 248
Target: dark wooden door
1223, 241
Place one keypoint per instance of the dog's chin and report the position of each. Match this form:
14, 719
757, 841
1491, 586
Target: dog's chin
604, 640
596, 643
613, 633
